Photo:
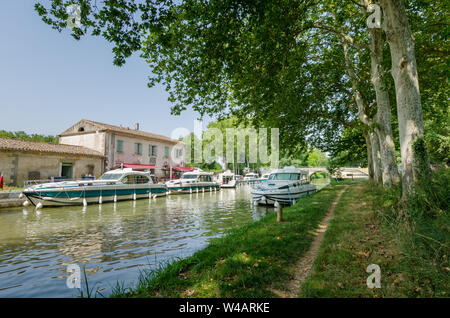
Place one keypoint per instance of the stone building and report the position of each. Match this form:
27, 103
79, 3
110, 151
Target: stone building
29, 160
128, 147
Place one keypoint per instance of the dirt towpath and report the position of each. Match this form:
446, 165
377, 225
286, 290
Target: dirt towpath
301, 270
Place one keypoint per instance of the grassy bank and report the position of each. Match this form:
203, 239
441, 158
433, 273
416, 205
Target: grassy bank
409, 241
248, 262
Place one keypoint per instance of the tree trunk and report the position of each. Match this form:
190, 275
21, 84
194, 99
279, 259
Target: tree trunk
383, 127
404, 72
376, 157
369, 157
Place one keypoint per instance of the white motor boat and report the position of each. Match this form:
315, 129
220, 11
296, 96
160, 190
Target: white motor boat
284, 186
112, 186
227, 179
251, 177
193, 181
264, 177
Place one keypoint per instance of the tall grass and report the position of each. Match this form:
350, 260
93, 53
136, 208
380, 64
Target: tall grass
422, 228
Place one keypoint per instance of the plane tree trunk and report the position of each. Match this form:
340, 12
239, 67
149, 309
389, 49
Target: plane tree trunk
376, 157
369, 157
383, 127
404, 72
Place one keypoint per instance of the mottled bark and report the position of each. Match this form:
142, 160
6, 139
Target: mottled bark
383, 127
376, 157
404, 72
369, 157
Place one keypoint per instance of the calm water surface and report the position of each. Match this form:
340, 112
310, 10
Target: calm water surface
112, 241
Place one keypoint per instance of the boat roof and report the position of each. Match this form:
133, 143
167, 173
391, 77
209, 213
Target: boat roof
251, 174
228, 173
197, 173
290, 169
128, 171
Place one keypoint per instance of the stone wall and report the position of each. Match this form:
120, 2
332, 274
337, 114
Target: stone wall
17, 167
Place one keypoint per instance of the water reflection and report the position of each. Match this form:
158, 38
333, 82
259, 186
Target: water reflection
112, 241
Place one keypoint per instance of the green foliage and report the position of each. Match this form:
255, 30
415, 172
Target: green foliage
316, 158
273, 63
421, 225
24, 136
430, 27
350, 150
421, 163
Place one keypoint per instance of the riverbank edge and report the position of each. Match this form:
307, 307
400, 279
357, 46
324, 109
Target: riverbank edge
247, 262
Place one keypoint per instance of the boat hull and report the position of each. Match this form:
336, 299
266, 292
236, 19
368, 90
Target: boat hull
64, 197
183, 189
269, 197
231, 184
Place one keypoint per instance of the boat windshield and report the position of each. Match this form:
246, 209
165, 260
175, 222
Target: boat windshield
189, 176
111, 176
284, 176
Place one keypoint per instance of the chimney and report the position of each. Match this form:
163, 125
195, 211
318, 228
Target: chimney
137, 126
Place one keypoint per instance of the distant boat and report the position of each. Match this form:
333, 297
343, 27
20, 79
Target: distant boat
193, 181
227, 179
264, 177
251, 177
114, 185
284, 186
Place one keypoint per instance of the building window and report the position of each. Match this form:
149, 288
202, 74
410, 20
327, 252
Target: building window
166, 152
179, 153
152, 150
138, 148
120, 146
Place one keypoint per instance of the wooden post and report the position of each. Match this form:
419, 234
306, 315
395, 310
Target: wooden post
279, 213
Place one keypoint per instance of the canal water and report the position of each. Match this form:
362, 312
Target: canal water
111, 241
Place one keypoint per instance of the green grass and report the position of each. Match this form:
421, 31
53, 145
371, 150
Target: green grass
247, 262
370, 226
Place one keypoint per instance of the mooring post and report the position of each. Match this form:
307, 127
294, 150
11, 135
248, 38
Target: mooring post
279, 213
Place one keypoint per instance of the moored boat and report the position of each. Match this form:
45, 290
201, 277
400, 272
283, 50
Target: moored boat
193, 181
284, 186
251, 177
227, 179
112, 186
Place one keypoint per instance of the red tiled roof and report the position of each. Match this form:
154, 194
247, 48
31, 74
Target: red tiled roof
35, 146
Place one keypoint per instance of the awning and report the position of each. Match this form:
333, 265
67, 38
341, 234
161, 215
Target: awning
139, 166
176, 168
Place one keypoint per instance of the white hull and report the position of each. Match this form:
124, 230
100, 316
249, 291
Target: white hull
231, 184
269, 197
109, 189
56, 202
192, 188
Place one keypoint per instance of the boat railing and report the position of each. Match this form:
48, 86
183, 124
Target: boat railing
29, 183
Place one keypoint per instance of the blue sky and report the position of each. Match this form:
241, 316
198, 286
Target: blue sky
49, 81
